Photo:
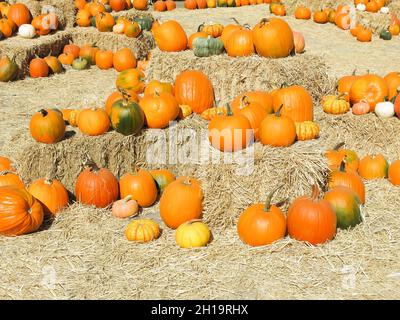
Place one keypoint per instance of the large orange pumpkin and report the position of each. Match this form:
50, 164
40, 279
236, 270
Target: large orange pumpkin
141, 186
273, 38
228, 31
47, 126
159, 109
262, 224
311, 220
181, 201
170, 36
297, 103
20, 212
51, 193
19, 14
96, 186
370, 87
230, 132
194, 88
240, 43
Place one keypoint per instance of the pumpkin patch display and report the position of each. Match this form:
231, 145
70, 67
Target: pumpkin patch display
192, 234
181, 201
312, 220
262, 224
20, 212
96, 186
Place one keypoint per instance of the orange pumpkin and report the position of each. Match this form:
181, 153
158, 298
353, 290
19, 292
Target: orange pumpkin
88, 52
66, 58
297, 103
95, 8
96, 186
104, 59
131, 80
132, 29
302, 13
337, 155
47, 126
124, 59
373, 167
320, 17
262, 98
51, 193
155, 86
394, 173
370, 87
82, 18
171, 5
277, 130
170, 36
345, 83
159, 109
118, 5
72, 49
8, 178
193, 88
227, 32
181, 201
273, 38
140, 186
372, 6
19, 14
104, 22
93, 122
349, 180
159, 6
262, 224
115, 96
240, 43
342, 20
311, 220
190, 4
6, 28
6, 164
254, 112
364, 35
20, 212
38, 68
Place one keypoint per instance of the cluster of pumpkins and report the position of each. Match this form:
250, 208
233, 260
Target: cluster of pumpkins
271, 38
95, 14
366, 93
17, 17
203, 4
22, 209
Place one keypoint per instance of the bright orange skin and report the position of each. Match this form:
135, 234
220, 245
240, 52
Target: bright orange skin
373, 167
6, 164
255, 113
131, 80
181, 201
52, 195
345, 83
227, 32
104, 59
335, 158
140, 186
260, 97
72, 49
93, 122
394, 173
170, 36
258, 227
277, 130
38, 68
230, 133
66, 58
350, 180
320, 17
47, 126
364, 35
370, 87
240, 43
311, 220
302, 13
20, 212
124, 59
10, 179
155, 86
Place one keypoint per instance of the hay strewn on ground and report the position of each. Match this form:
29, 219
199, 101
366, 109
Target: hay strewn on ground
232, 76
84, 255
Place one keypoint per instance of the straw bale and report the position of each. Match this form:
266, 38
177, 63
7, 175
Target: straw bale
374, 21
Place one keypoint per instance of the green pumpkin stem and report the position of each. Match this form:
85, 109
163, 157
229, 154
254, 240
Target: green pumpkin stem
127, 198
342, 167
236, 21
269, 198
200, 27
229, 110
92, 165
278, 113
284, 85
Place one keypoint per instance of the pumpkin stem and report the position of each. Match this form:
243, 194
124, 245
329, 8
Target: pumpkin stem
229, 110
236, 21
284, 85
354, 72
92, 165
4, 172
47, 181
127, 198
244, 102
315, 192
338, 146
200, 27
247, 26
342, 167
43, 112
269, 198
264, 21
187, 181
278, 113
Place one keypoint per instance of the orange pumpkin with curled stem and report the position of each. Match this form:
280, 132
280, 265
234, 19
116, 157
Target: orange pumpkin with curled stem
20, 212
96, 186
350, 180
261, 97
93, 122
336, 156
51, 193
159, 109
229, 133
125, 208
181, 201
373, 167
277, 130
8, 178
262, 224
311, 220
47, 126
140, 186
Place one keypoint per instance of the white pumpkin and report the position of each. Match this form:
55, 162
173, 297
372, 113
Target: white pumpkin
384, 109
26, 31
46, 9
361, 7
384, 10
119, 28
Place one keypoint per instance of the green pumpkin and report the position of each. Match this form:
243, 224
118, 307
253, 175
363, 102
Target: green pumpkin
222, 3
126, 117
346, 204
80, 64
108, 8
93, 21
8, 69
385, 35
205, 47
144, 22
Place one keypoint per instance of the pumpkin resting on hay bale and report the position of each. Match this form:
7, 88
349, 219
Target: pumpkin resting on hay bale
233, 76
